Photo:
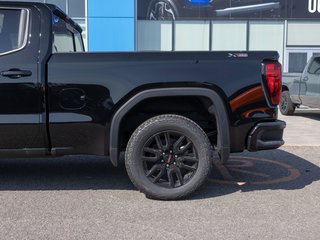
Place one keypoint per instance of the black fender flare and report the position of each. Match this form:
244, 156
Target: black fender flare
217, 108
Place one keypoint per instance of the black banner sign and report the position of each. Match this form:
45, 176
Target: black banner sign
227, 9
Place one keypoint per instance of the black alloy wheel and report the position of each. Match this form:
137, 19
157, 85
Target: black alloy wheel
168, 157
161, 10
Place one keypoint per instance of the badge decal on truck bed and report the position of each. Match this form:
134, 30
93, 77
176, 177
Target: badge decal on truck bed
238, 55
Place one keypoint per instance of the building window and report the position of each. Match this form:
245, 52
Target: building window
192, 35
229, 35
83, 24
78, 42
154, 35
267, 36
62, 4
77, 8
303, 33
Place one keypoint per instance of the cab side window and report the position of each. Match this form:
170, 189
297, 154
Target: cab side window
78, 42
315, 66
13, 29
65, 38
63, 42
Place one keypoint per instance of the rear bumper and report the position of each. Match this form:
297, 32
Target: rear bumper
266, 135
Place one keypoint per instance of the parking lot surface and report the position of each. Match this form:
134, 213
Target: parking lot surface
266, 195
303, 128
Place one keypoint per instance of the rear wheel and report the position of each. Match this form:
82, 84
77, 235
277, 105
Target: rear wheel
168, 157
286, 105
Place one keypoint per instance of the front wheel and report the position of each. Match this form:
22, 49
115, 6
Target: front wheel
287, 107
168, 157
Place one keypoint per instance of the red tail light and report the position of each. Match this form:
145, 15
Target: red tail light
273, 82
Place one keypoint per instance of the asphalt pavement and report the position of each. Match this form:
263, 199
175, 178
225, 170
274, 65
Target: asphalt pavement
265, 195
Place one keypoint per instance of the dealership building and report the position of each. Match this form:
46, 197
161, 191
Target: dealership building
289, 26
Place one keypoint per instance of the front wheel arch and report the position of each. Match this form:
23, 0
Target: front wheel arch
217, 109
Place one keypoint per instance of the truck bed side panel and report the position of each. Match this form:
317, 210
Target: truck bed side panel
101, 82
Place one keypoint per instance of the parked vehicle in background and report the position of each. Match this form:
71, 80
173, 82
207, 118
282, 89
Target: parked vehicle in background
301, 89
168, 111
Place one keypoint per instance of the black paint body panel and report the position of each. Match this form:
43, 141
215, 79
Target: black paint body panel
109, 79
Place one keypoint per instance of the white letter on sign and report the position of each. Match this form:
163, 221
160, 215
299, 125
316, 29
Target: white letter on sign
313, 6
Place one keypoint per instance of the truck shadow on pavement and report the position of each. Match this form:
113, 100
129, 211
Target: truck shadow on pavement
62, 173
313, 114
263, 170
244, 172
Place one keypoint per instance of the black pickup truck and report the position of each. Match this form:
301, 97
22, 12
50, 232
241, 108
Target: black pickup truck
169, 112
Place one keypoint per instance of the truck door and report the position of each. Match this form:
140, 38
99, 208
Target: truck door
310, 83
20, 98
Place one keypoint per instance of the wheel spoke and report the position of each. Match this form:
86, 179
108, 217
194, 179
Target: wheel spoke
150, 159
151, 150
152, 15
167, 138
170, 178
162, 9
160, 174
179, 176
187, 167
189, 159
185, 148
178, 143
169, 11
155, 152
153, 169
159, 142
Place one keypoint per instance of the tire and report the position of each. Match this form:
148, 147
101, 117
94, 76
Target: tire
286, 106
168, 169
162, 10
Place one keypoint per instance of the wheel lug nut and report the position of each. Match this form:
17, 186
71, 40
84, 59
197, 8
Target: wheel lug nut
174, 163
176, 156
167, 165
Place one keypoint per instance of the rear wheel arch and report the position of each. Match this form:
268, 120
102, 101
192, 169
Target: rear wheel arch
217, 108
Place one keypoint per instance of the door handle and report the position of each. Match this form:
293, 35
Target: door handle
305, 79
16, 73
